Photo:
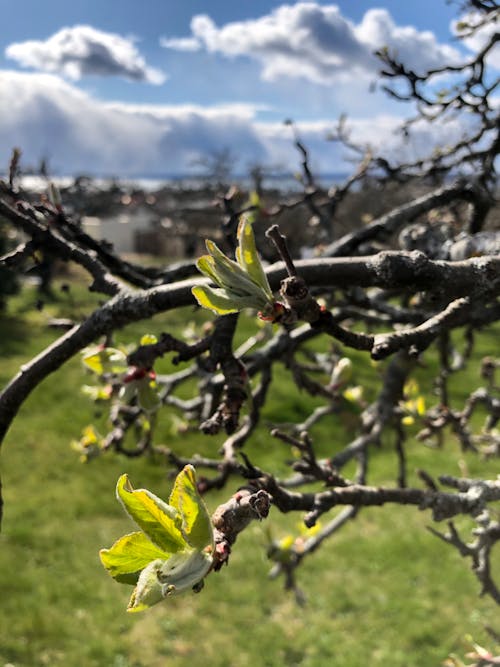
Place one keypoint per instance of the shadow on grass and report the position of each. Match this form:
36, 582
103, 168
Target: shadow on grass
14, 332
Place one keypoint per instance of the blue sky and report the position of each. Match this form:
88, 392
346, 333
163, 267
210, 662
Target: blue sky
125, 88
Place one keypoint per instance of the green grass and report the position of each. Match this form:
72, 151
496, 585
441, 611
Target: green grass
383, 591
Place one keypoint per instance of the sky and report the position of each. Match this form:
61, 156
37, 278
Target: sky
135, 88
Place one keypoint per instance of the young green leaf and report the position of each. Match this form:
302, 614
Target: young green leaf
223, 303
196, 524
174, 551
215, 300
129, 555
206, 265
148, 590
159, 521
241, 284
148, 339
230, 275
183, 571
105, 360
248, 257
221, 260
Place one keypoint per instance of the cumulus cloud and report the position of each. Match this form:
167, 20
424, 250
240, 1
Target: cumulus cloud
47, 116
315, 42
83, 50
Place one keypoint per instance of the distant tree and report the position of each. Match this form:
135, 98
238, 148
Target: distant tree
217, 166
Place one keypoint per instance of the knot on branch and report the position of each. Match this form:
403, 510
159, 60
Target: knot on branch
234, 516
407, 266
471, 499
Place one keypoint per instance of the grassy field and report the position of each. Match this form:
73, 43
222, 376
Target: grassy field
383, 592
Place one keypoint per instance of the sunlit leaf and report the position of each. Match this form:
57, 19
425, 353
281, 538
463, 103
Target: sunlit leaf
129, 555
309, 531
229, 274
149, 339
145, 424
286, 542
95, 362
89, 435
160, 522
248, 257
242, 284
196, 524
353, 394
90, 444
174, 551
105, 360
221, 260
255, 201
411, 388
206, 265
214, 300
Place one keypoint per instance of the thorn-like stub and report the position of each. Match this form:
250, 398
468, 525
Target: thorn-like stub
295, 292
294, 288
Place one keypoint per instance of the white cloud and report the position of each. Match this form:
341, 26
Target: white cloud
82, 50
417, 49
378, 133
181, 43
315, 42
48, 117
